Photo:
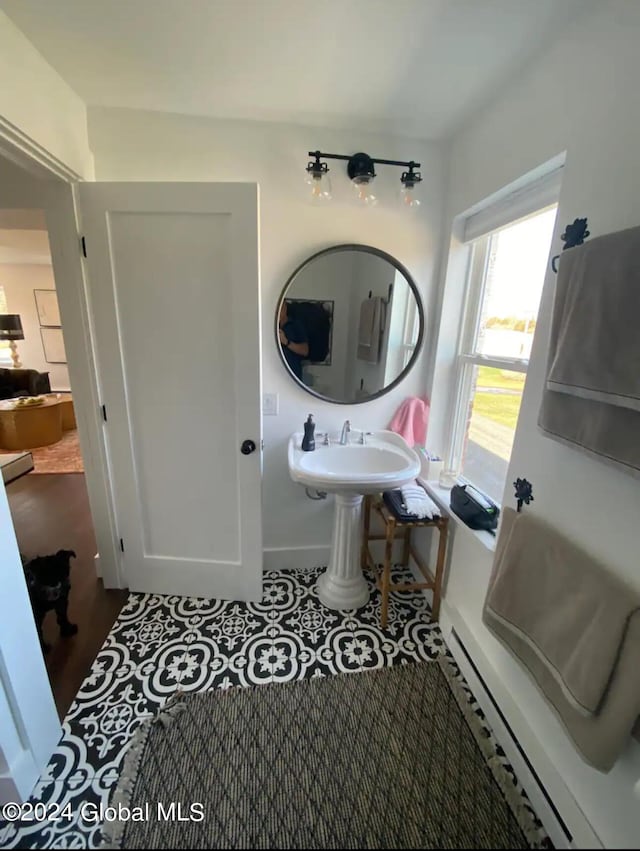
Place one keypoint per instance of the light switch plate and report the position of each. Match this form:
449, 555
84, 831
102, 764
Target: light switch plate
270, 404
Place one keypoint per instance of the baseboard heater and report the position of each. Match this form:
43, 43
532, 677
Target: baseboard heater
484, 696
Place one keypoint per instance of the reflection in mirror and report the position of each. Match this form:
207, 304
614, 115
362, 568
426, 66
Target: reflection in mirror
349, 323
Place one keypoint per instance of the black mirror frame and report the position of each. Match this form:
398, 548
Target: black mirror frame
365, 249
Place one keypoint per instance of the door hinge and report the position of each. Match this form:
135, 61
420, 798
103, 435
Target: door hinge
83, 244
121, 544
104, 412
262, 444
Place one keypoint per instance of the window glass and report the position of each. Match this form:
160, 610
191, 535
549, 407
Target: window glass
503, 297
513, 282
491, 424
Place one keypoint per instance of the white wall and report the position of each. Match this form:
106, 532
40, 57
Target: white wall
35, 100
132, 145
19, 282
580, 97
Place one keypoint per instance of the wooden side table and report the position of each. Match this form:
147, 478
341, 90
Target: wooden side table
30, 426
392, 526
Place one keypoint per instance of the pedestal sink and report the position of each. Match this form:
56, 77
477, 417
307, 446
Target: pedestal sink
384, 462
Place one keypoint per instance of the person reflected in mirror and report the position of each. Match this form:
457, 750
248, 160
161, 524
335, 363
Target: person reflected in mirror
294, 340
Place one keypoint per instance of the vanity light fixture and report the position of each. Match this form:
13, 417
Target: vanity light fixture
361, 171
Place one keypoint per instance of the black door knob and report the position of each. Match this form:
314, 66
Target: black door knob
248, 446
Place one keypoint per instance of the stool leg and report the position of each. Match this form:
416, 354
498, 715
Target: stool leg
364, 561
437, 591
406, 550
386, 576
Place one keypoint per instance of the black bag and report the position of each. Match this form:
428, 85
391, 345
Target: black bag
474, 508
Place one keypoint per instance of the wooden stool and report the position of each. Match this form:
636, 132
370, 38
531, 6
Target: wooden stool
393, 526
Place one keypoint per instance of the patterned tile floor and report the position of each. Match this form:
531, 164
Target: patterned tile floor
161, 644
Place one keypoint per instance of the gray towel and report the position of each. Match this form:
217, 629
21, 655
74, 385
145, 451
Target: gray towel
595, 344
369, 329
575, 626
592, 397
605, 432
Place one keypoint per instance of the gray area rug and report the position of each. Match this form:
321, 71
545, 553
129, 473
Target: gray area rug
383, 759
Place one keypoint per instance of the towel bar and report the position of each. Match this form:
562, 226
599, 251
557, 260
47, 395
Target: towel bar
524, 493
574, 234
386, 300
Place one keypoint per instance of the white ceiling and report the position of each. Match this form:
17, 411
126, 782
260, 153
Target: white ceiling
410, 67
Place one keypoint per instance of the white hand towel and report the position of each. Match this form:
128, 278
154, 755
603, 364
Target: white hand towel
417, 502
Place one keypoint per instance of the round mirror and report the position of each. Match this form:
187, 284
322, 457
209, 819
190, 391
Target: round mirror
349, 324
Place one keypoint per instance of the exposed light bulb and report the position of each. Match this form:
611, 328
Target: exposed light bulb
410, 185
364, 193
409, 197
320, 187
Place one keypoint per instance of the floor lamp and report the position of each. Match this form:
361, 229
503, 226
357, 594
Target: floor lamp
11, 330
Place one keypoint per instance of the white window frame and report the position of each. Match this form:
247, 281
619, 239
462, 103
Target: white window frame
543, 195
467, 359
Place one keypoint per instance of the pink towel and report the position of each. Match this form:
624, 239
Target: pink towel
411, 419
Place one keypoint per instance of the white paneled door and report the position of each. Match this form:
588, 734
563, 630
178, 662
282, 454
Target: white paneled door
174, 292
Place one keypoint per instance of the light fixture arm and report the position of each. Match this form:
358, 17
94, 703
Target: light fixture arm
410, 165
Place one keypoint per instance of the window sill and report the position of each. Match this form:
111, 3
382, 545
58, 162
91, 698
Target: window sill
441, 496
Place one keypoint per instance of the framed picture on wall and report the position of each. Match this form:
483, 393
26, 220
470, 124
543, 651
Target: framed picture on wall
47, 307
53, 345
316, 316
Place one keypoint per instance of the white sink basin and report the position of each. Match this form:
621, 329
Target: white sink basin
384, 462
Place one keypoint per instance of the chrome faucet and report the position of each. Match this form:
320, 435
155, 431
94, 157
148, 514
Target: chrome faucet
344, 436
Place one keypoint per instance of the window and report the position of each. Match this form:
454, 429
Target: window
5, 351
506, 275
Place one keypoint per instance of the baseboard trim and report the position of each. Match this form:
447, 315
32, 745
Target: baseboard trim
563, 819
301, 558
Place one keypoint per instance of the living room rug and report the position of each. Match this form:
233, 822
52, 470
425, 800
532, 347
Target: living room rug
61, 457
393, 758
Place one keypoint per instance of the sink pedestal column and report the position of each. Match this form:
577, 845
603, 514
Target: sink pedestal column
343, 586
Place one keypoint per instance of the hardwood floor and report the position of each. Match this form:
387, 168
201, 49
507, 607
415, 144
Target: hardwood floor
51, 512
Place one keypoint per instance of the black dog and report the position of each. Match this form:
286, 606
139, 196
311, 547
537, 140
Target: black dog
49, 584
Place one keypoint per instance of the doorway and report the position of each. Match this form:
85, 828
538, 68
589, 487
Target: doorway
40, 450
136, 263
37, 414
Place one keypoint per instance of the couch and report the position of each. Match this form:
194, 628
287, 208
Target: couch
23, 382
